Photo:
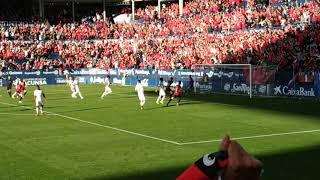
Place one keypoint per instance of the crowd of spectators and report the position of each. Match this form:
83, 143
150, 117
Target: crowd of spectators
198, 18
208, 32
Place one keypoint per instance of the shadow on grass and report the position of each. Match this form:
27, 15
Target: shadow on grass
307, 107
26, 109
124, 97
298, 164
59, 98
54, 107
6, 107
172, 104
84, 109
153, 108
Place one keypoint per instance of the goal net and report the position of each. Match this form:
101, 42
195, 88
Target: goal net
238, 79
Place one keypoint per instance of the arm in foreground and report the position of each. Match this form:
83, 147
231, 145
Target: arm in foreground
231, 162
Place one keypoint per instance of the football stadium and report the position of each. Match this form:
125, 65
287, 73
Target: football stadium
160, 89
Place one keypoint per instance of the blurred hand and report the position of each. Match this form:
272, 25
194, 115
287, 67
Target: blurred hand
242, 166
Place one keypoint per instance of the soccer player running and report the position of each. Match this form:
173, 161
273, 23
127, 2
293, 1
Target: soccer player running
16, 83
162, 94
77, 89
168, 88
177, 94
9, 86
190, 87
71, 85
39, 99
24, 87
107, 89
140, 91
18, 93
22, 91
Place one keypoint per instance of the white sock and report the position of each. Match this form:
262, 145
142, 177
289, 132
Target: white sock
162, 99
80, 95
142, 103
37, 110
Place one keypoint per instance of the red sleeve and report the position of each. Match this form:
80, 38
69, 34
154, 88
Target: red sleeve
193, 173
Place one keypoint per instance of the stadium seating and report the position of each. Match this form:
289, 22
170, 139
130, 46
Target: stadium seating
208, 32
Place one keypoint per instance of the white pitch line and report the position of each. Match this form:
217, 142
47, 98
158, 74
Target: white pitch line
18, 114
105, 126
254, 137
114, 128
169, 141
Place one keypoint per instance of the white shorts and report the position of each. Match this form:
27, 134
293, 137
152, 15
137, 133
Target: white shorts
141, 97
107, 89
162, 93
77, 89
39, 103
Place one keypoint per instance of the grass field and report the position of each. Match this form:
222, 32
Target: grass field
113, 139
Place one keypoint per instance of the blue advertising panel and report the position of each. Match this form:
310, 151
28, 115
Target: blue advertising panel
207, 81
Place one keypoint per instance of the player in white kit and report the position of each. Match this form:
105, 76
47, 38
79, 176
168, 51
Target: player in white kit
162, 93
107, 89
39, 99
16, 83
76, 88
140, 91
71, 85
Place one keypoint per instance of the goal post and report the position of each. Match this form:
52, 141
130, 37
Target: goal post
224, 78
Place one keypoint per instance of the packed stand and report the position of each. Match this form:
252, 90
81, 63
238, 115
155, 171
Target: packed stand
209, 32
199, 19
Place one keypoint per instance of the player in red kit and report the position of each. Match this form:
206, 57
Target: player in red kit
177, 94
21, 91
24, 88
168, 88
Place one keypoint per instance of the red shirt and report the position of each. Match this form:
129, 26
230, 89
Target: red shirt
193, 173
19, 89
177, 90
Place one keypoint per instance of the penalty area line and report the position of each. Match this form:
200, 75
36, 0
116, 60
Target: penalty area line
253, 137
17, 114
101, 125
116, 129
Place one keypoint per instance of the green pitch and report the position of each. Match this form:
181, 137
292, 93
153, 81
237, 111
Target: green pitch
113, 139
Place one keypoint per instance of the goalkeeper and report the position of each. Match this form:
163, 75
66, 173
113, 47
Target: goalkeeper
190, 87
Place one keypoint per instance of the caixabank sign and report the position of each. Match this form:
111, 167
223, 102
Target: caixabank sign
300, 91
